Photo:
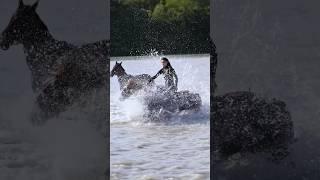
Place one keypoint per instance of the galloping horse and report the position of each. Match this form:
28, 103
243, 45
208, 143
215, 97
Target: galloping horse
130, 84
60, 72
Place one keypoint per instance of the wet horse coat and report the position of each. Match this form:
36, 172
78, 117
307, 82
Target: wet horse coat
60, 72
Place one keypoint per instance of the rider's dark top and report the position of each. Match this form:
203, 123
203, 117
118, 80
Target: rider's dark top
170, 77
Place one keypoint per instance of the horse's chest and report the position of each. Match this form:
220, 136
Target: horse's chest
40, 60
123, 81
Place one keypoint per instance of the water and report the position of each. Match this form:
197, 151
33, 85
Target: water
261, 50
177, 150
66, 147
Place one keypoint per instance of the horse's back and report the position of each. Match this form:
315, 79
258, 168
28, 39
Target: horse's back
95, 51
88, 62
143, 77
83, 68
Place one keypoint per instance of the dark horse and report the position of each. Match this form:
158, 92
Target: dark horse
130, 84
61, 72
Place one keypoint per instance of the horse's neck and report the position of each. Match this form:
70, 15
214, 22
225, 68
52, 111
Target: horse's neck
123, 79
44, 45
42, 55
44, 50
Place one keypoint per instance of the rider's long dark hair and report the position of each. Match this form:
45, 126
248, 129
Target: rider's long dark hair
168, 62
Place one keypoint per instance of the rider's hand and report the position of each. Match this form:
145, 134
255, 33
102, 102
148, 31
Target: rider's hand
150, 80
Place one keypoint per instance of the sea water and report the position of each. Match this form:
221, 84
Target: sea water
179, 149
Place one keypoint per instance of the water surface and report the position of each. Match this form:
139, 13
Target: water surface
176, 150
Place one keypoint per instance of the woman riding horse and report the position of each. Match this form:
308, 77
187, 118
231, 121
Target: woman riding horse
170, 76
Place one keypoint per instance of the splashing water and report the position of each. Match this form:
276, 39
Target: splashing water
65, 147
154, 52
178, 149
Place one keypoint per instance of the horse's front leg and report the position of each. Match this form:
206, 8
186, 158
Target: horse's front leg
128, 90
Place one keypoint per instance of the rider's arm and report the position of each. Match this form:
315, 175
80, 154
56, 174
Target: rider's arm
155, 76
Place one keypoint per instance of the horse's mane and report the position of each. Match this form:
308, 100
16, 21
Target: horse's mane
41, 25
122, 69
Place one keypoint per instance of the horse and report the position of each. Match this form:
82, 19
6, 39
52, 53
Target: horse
130, 84
160, 103
61, 72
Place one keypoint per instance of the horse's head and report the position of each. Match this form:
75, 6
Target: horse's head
117, 69
24, 24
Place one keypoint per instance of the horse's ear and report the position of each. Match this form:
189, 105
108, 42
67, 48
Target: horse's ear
35, 5
21, 3
116, 62
120, 63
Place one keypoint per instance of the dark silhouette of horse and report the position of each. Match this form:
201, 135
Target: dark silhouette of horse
130, 84
61, 72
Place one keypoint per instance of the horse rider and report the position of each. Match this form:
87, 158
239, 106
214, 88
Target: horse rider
170, 76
